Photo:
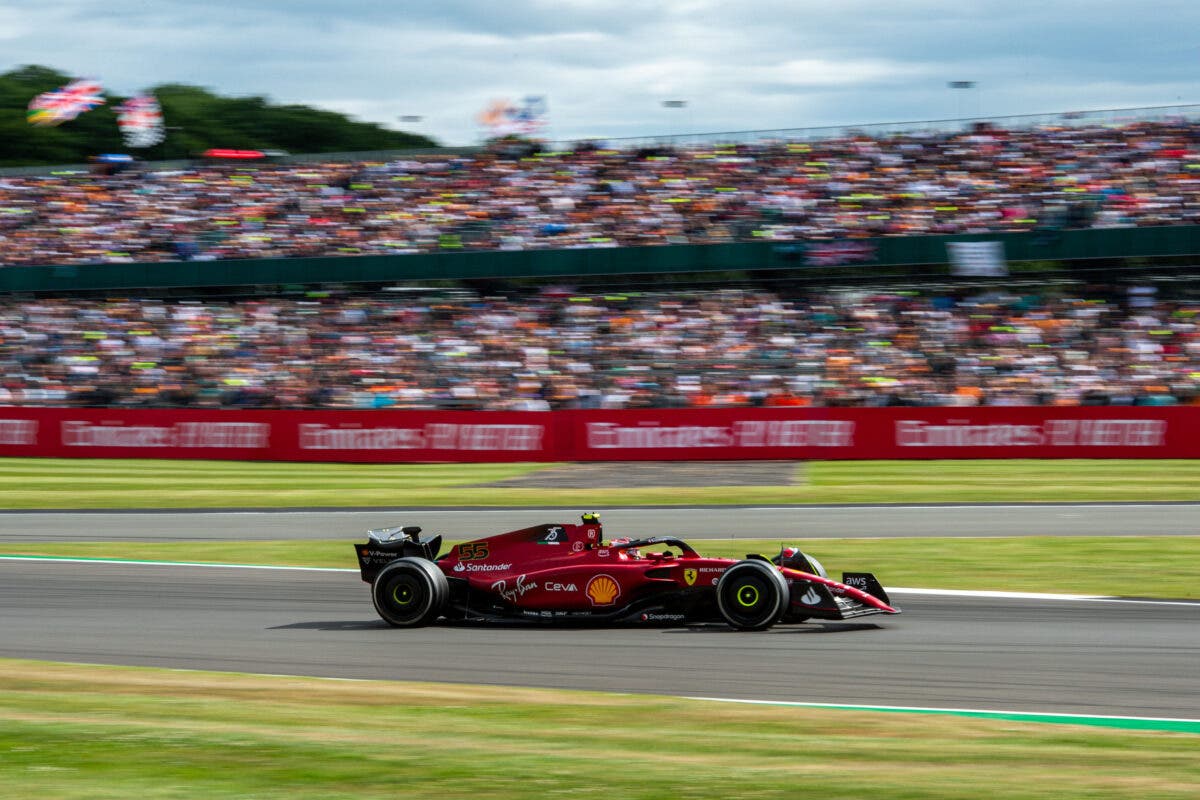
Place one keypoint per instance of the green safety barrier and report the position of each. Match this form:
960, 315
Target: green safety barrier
454, 263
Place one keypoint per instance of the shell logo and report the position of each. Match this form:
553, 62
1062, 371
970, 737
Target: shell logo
603, 590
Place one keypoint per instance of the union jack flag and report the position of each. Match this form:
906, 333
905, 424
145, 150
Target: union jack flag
65, 104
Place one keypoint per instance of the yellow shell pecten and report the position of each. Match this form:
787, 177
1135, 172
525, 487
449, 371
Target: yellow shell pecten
602, 590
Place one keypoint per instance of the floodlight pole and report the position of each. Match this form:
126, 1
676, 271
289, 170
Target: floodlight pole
681, 104
964, 85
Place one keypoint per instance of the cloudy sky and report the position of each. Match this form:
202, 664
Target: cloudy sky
606, 66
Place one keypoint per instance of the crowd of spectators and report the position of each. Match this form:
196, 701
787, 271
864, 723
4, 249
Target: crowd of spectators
982, 180
554, 351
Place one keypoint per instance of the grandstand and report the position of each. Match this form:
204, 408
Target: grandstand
863, 200
840, 244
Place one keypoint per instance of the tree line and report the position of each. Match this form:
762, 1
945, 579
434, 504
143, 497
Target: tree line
195, 120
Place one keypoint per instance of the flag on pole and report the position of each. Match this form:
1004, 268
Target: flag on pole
503, 118
65, 104
141, 122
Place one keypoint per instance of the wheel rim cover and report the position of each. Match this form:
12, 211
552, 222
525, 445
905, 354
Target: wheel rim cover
747, 596
404, 594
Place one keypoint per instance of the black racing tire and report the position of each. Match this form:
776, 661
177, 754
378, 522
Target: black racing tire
752, 595
410, 592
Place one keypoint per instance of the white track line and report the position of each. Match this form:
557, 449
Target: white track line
140, 563
1075, 598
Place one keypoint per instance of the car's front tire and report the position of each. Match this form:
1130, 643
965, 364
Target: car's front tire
410, 592
752, 595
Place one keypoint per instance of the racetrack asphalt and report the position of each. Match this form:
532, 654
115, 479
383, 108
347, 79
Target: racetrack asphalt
1081, 657
1105, 657
708, 522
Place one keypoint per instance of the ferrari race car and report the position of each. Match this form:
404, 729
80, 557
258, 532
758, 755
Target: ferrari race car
565, 573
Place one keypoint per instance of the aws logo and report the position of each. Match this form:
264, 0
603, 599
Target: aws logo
603, 590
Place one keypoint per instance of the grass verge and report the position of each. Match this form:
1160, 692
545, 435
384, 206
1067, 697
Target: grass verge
100, 483
120, 732
1141, 566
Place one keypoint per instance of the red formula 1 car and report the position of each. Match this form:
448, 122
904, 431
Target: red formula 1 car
567, 574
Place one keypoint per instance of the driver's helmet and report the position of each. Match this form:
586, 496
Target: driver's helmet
594, 537
632, 552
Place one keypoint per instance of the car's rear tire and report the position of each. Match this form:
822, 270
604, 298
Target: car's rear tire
410, 592
752, 595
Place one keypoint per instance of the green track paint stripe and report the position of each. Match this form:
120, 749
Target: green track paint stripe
1096, 720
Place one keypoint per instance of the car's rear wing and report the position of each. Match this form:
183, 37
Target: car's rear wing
385, 546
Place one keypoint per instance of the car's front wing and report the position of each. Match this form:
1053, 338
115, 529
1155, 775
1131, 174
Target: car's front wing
859, 594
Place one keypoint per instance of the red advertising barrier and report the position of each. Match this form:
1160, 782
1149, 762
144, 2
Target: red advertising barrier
649, 435
885, 433
358, 436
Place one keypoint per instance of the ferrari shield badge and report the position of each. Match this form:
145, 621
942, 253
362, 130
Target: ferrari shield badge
689, 577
